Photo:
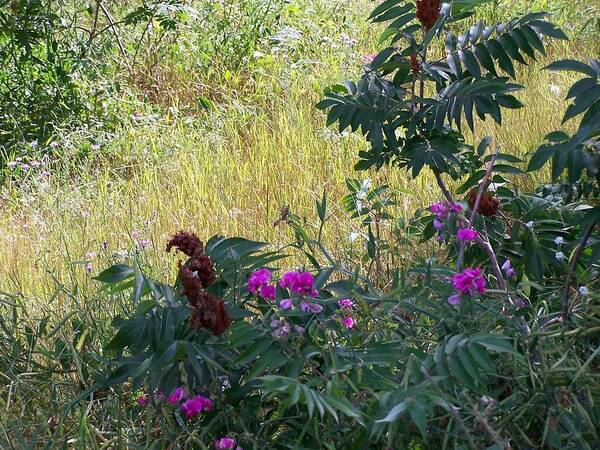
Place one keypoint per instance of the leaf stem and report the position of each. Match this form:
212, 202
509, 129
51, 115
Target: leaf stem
572, 267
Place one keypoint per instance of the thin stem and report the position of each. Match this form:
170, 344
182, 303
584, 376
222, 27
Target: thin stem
572, 267
442, 185
116, 33
480, 191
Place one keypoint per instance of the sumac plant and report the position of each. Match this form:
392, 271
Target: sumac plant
492, 342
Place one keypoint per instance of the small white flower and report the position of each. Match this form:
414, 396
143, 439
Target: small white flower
555, 89
364, 189
359, 205
445, 10
583, 290
354, 236
560, 256
529, 224
559, 240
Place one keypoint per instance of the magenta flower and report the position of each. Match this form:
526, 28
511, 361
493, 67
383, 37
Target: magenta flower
268, 292
288, 279
196, 405
440, 209
346, 303
142, 400
304, 283
437, 224
348, 322
286, 303
258, 279
310, 307
467, 234
225, 443
455, 208
470, 281
175, 396
508, 269
454, 299
299, 283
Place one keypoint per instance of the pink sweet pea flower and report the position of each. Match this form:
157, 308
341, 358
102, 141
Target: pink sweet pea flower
454, 299
304, 283
175, 396
268, 292
286, 303
225, 443
470, 281
348, 322
467, 234
258, 279
310, 307
508, 269
142, 400
288, 279
346, 303
280, 328
440, 209
191, 408
299, 283
206, 402
455, 208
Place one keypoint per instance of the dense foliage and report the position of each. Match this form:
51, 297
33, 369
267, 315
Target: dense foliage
467, 349
489, 342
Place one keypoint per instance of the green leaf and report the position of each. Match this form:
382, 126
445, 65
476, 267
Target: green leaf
418, 415
572, 65
480, 355
548, 29
383, 8
496, 343
470, 63
541, 156
395, 412
344, 406
582, 103
116, 273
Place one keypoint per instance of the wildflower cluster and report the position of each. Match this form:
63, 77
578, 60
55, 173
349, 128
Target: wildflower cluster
208, 311
469, 282
191, 407
442, 211
347, 306
299, 284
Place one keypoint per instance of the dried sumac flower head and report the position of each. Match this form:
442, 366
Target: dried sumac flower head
187, 243
209, 314
428, 12
488, 205
208, 311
